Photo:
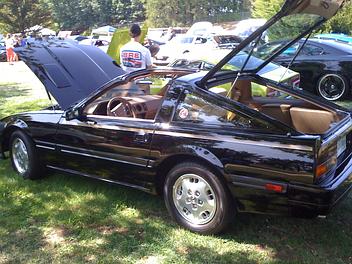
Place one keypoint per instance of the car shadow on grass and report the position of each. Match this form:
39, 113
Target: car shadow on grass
67, 218
9, 90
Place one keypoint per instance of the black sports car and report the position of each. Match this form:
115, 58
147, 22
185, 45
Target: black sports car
167, 131
325, 66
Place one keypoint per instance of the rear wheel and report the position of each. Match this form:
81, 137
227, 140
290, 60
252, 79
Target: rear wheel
23, 156
333, 87
197, 199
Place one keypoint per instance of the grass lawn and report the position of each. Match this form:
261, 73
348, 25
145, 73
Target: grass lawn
68, 219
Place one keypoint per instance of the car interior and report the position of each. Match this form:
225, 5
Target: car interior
294, 112
138, 98
142, 97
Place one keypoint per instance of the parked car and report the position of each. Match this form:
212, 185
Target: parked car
335, 36
325, 66
179, 45
77, 38
225, 41
208, 60
245, 28
164, 131
100, 43
2, 51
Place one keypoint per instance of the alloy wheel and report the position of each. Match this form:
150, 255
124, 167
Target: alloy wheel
194, 199
20, 155
332, 87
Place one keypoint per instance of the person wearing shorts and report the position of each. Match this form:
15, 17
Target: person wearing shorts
10, 54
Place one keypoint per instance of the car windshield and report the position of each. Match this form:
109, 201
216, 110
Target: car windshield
287, 28
182, 40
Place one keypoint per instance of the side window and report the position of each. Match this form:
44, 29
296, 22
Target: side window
290, 51
311, 50
198, 110
264, 91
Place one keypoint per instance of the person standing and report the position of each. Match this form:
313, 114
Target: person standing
10, 54
133, 55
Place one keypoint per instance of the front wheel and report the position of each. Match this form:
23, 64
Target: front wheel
197, 199
332, 87
23, 156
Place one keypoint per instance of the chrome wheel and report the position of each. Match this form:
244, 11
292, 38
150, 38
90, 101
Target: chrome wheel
20, 155
332, 87
194, 199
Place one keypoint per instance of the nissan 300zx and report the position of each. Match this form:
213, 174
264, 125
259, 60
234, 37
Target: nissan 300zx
168, 131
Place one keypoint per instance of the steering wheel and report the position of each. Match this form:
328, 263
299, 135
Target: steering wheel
119, 106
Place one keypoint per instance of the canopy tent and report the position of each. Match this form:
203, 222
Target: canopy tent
106, 30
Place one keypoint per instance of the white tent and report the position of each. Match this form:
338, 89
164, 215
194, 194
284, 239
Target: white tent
106, 31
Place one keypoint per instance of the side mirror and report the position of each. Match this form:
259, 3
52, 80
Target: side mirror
73, 113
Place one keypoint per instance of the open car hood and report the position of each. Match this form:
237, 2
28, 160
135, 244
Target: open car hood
323, 9
69, 72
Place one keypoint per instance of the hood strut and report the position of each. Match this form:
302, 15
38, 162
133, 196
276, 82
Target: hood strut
295, 56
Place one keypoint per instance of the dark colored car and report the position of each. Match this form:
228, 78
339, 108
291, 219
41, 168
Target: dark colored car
164, 131
325, 66
335, 36
2, 51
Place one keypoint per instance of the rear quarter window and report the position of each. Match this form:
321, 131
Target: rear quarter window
195, 109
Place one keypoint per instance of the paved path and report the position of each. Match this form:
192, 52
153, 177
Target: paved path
20, 75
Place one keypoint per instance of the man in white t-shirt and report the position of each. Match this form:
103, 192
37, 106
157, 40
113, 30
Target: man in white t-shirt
133, 55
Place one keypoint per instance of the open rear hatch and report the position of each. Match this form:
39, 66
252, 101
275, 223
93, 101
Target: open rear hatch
332, 124
296, 19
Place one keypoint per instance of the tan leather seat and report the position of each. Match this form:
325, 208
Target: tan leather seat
279, 112
311, 121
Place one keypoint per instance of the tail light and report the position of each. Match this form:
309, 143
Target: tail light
326, 163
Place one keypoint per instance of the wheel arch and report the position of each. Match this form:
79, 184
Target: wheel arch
168, 163
5, 139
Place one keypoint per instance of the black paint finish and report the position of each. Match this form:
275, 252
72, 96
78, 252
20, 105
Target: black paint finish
138, 153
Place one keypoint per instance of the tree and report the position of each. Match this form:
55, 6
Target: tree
81, 15
342, 21
18, 15
186, 12
266, 8
73, 14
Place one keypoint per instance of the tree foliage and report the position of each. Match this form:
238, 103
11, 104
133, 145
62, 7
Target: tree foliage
340, 23
82, 14
186, 12
266, 8
18, 15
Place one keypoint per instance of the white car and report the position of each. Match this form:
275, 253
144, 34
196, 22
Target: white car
99, 43
179, 45
246, 27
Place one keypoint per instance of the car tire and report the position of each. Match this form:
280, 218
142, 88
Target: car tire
197, 199
333, 87
24, 157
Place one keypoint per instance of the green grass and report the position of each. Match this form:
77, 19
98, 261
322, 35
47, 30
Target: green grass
17, 97
68, 219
